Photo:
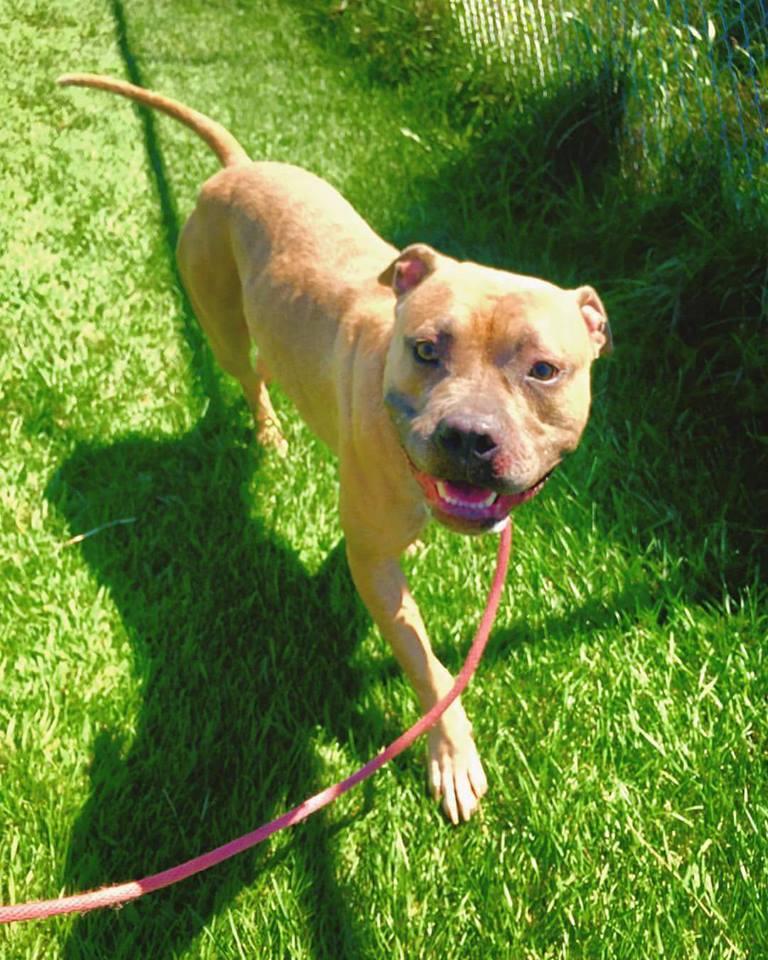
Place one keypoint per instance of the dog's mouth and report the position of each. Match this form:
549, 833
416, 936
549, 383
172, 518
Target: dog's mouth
472, 509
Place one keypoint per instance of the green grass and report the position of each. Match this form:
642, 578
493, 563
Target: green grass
201, 662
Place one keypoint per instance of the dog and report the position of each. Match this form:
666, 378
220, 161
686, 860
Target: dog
445, 388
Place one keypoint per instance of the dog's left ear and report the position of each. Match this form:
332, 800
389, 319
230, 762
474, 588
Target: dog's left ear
409, 268
596, 319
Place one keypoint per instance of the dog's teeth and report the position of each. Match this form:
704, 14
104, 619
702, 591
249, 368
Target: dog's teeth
467, 504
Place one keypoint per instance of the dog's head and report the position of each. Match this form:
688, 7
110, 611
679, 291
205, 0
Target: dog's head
487, 381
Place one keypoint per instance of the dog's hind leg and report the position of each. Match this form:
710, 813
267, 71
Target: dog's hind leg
213, 285
267, 422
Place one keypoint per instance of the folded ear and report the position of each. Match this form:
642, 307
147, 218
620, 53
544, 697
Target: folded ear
596, 319
409, 268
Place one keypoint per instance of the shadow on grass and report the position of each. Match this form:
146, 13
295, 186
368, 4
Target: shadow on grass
241, 656
514, 177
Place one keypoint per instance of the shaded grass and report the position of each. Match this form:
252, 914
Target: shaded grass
175, 679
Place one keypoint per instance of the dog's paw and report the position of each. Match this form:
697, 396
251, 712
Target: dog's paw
414, 549
455, 772
270, 436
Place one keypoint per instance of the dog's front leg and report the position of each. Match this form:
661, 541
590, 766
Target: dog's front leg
455, 772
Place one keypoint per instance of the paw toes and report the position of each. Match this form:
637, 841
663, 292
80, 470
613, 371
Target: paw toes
458, 785
435, 780
467, 800
477, 777
450, 805
269, 436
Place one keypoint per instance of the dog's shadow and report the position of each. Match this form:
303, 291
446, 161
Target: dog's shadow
240, 655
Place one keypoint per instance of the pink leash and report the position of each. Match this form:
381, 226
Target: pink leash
125, 892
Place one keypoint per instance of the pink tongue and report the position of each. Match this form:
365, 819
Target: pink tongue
460, 491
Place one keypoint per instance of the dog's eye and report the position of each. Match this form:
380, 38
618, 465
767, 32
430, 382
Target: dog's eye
541, 370
426, 351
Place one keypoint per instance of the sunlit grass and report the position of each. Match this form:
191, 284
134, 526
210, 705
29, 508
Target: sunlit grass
199, 661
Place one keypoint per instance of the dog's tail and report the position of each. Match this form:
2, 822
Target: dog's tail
220, 140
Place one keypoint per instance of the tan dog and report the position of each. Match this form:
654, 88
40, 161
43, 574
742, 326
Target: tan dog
443, 387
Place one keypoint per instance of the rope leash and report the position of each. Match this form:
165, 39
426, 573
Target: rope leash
125, 892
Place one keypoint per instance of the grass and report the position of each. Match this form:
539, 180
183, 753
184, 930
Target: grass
201, 662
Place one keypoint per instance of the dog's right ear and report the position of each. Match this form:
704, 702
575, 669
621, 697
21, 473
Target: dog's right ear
596, 319
409, 268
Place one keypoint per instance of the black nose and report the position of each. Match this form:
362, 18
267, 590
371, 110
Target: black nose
464, 444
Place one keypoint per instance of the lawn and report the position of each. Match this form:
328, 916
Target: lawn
182, 654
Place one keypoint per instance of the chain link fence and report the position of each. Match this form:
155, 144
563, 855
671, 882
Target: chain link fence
686, 71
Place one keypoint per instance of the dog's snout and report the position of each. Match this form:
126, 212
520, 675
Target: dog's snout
464, 443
